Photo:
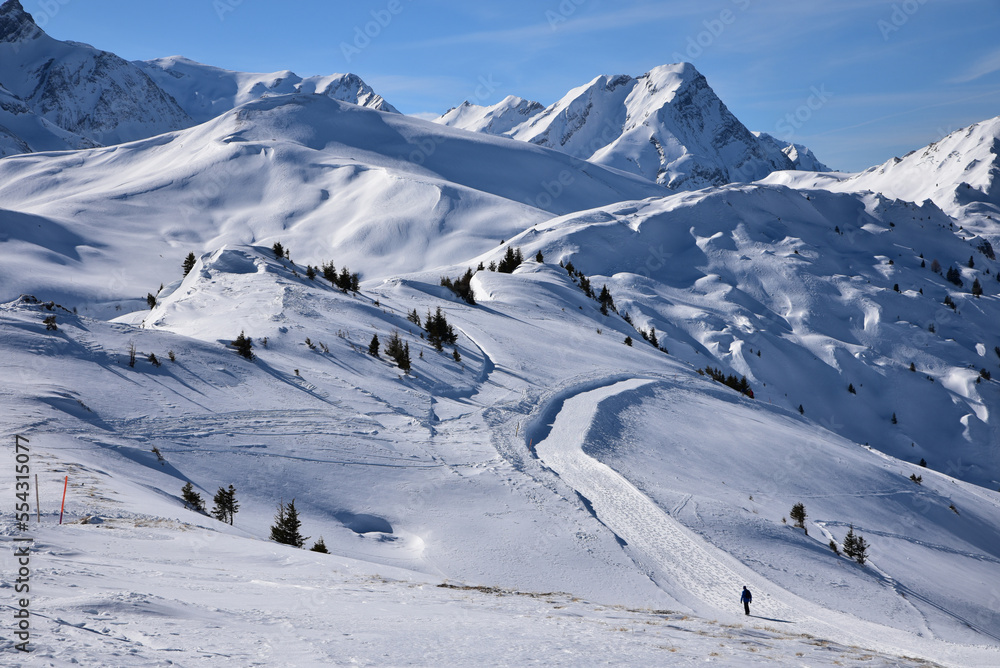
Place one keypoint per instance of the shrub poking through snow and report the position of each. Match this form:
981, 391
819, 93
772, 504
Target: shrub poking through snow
189, 263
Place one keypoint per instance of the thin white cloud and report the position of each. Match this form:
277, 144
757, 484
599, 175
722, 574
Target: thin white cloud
988, 64
556, 24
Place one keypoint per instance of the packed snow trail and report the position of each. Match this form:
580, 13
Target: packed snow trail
681, 563
674, 559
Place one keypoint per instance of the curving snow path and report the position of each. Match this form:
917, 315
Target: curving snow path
694, 572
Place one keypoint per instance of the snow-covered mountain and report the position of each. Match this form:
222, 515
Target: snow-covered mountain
23, 131
205, 92
496, 119
960, 173
802, 157
386, 193
552, 470
57, 95
667, 126
85, 91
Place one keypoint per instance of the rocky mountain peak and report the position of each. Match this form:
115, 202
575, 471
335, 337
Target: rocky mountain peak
16, 25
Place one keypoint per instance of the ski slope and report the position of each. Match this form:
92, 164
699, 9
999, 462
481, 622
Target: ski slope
695, 573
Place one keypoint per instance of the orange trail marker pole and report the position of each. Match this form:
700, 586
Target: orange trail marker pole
38, 503
65, 485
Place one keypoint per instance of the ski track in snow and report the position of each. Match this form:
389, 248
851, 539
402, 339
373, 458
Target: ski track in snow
685, 566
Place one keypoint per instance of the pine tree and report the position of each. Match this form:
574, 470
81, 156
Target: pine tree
244, 346
152, 360
539, 258
373, 346
285, 529
977, 288
628, 341
954, 276
972, 262
279, 250
802, 411
414, 317
310, 272
192, 499
225, 504
330, 273
439, 331
512, 259
856, 547
894, 420
850, 388
607, 301
798, 513
319, 546
189, 263
399, 352
150, 300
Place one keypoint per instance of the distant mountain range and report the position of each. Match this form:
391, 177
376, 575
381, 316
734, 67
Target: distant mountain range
667, 125
57, 95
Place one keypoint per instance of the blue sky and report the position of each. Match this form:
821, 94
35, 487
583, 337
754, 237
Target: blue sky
858, 81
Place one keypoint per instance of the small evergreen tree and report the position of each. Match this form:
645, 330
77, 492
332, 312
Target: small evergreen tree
319, 546
152, 360
539, 258
456, 356
913, 367
189, 263
310, 272
935, 266
50, 324
279, 250
850, 388
923, 462
373, 346
856, 547
972, 262
461, 286
954, 276
439, 331
285, 529
151, 300
131, 353
802, 411
330, 273
628, 341
798, 513
192, 499
512, 259
399, 352
414, 317
225, 505
244, 346
607, 301
948, 301
894, 420
977, 288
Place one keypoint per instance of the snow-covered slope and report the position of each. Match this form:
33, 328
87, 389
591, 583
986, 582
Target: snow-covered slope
484, 471
380, 192
960, 173
205, 92
84, 91
808, 294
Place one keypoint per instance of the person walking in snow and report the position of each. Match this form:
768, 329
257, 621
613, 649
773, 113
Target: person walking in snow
745, 599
